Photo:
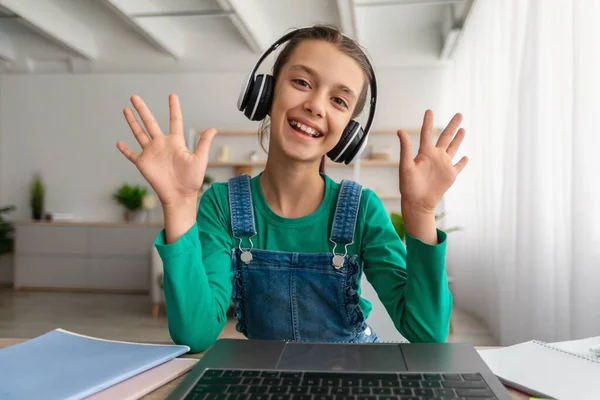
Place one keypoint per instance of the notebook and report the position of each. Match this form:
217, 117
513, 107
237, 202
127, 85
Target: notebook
65, 365
562, 370
144, 383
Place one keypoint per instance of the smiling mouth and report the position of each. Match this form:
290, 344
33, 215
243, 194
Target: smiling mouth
306, 130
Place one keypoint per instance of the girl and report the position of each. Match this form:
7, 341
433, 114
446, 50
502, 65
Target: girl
290, 245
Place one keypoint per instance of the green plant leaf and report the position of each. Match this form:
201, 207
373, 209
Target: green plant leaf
130, 197
6, 210
207, 180
6, 231
38, 190
398, 224
453, 229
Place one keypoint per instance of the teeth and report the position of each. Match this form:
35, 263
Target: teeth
305, 128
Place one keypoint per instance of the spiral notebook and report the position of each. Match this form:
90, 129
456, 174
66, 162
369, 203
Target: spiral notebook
562, 370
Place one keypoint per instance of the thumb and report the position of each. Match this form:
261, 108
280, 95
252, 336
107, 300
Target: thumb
204, 143
405, 148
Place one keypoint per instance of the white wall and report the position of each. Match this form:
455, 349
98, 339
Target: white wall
66, 126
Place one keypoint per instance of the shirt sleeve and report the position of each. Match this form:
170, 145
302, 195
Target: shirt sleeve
198, 276
410, 280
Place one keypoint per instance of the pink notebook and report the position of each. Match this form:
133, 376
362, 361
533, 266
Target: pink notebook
144, 383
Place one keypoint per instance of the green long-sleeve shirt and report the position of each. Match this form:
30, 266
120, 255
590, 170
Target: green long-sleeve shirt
410, 281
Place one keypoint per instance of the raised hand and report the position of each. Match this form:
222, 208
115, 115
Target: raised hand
175, 173
424, 180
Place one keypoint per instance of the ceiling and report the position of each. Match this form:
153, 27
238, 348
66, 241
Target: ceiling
108, 36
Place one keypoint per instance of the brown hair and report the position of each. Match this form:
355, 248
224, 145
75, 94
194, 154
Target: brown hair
332, 35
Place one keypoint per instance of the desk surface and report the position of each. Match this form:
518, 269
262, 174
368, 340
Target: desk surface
162, 392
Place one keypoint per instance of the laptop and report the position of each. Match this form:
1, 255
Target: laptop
239, 369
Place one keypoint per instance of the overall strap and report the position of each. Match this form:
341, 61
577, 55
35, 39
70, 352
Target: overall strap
346, 212
240, 206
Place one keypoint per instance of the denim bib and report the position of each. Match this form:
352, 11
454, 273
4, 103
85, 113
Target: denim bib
296, 296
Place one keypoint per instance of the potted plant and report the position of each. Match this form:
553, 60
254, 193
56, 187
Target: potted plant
130, 197
37, 197
398, 223
6, 230
6, 243
208, 180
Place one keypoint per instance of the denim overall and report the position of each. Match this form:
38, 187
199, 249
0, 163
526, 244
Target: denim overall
297, 296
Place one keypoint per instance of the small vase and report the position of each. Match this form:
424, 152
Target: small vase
37, 214
130, 215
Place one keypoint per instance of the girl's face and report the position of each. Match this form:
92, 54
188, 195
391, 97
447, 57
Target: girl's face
315, 95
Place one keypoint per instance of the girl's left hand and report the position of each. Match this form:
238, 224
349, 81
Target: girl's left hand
424, 180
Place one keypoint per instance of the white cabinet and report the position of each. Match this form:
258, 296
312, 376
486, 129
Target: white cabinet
83, 255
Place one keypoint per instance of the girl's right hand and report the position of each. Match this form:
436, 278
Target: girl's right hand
175, 173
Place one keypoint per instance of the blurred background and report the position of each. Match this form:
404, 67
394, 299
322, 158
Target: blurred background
79, 221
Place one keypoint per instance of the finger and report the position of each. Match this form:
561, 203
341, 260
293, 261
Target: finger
455, 144
459, 166
405, 149
427, 129
448, 133
127, 152
146, 116
176, 119
138, 131
204, 143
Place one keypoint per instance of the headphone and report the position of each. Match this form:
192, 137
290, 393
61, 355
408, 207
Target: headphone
257, 95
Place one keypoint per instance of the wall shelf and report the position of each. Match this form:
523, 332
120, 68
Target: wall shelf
329, 164
352, 171
389, 196
247, 132
221, 164
379, 163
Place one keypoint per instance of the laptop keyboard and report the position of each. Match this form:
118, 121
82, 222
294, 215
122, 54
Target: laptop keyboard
222, 384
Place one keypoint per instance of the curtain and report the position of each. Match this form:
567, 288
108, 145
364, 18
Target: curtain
526, 78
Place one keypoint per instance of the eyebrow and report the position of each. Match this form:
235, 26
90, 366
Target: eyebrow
312, 72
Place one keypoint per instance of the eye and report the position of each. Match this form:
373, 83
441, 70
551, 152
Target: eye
340, 102
301, 82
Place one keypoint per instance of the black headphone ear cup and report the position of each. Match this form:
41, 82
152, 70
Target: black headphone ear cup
358, 148
349, 145
261, 96
266, 99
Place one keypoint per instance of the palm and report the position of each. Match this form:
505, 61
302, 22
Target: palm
424, 180
170, 168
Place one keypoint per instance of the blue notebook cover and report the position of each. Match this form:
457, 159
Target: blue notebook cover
64, 365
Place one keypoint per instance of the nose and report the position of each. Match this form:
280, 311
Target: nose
315, 104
